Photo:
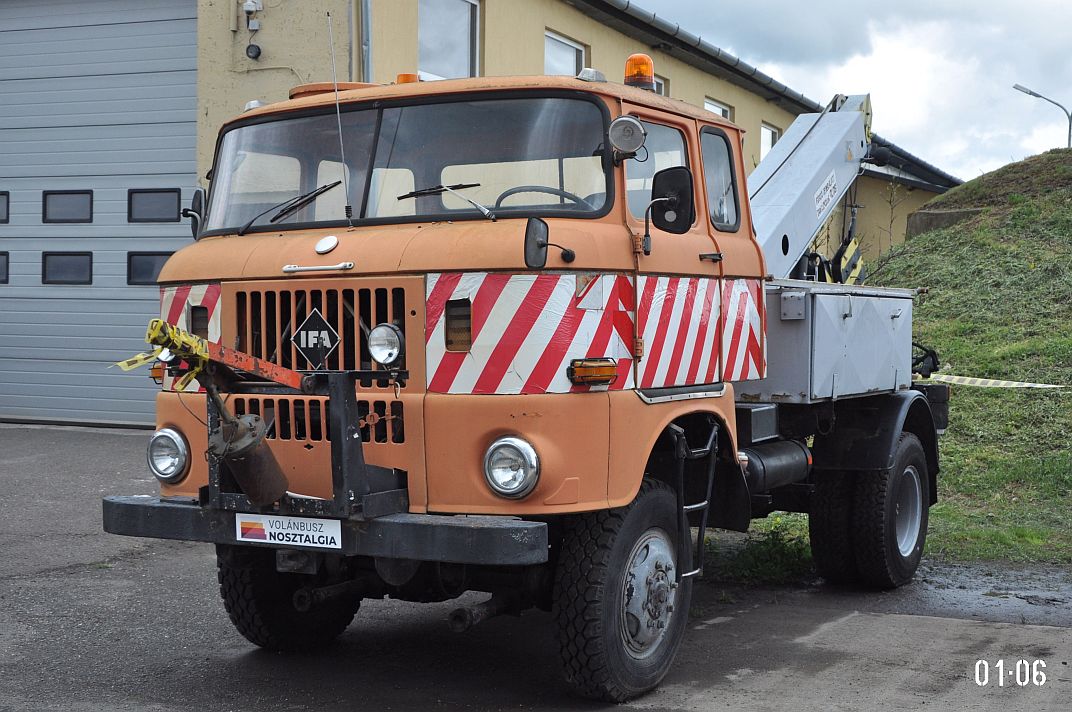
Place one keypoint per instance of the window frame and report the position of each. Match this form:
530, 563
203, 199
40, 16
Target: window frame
5, 278
474, 50
778, 133
665, 82
721, 227
130, 264
6, 217
64, 253
130, 205
582, 48
728, 115
59, 221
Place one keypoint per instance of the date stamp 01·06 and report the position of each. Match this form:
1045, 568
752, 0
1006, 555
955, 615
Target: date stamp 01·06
1021, 673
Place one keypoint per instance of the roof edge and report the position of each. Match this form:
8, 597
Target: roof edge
662, 34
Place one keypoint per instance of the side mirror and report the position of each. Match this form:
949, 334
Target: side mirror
672, 209
196, 211
535, 244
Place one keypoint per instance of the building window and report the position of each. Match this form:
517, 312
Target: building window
717, 107
67, 268
153, 205
5, 199
662, 86
3, 267
562, 55
67, 206
719, 179
664, 148
768, 136
447, 33
144, 267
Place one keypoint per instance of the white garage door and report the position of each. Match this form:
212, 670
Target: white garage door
97, 132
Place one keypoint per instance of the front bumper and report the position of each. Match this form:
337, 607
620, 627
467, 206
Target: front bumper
478, 540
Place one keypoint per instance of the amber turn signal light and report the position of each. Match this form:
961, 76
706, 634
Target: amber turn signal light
640, 72
407, 78
592, 371
156, 372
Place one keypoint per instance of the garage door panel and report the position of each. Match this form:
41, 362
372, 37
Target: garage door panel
30, 14
94, 95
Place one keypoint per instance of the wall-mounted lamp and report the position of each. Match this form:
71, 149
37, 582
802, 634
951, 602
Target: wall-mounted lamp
251, 8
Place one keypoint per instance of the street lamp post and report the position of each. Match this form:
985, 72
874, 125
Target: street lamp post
1068, 114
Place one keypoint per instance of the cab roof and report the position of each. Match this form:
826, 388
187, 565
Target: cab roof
371, 92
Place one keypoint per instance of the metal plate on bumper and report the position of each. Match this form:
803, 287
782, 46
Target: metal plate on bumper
421, 537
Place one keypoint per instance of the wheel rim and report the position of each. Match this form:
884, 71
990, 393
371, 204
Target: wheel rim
908, 510
648, 594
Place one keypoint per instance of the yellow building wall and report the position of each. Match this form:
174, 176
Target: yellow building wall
881, 223
293, 38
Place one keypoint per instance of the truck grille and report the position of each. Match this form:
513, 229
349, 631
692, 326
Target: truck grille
266, 320
306, 419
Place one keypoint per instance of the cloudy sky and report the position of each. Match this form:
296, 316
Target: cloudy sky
940, 72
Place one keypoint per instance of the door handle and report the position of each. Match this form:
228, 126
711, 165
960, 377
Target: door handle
291, 269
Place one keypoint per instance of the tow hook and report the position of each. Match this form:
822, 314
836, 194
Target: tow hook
306, 598
462, 619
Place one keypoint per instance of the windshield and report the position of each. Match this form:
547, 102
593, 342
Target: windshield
527, 156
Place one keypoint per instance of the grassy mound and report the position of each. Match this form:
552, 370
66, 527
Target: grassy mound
999, 305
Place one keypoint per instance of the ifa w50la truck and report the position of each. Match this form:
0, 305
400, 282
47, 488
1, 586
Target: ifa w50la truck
527, 336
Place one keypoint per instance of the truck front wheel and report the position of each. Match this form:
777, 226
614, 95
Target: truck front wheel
890, 517
260, 602
620, 612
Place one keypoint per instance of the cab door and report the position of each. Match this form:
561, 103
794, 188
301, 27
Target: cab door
741, 322
677, 291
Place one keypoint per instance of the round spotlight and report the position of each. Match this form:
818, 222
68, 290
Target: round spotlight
627, 134
385, 344
168, 455
511, 467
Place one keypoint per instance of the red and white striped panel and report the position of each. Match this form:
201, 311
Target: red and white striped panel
679, 325
744, 344
175, 303
527, 328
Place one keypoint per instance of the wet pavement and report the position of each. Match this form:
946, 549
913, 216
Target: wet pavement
90, 621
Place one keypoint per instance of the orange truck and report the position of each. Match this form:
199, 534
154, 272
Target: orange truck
512, 335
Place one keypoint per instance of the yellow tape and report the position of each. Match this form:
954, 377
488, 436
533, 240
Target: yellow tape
988, 382
181, 344
140, 360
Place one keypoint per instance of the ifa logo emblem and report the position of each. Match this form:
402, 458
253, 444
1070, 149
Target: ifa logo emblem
316, 339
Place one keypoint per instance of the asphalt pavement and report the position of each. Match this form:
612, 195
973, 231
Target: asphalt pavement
90, 621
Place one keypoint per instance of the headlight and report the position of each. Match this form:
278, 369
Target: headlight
168, 455
511, 467
385, 344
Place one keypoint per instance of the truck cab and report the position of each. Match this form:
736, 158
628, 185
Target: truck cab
486, 334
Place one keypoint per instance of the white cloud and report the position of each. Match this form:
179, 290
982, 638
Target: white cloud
940, 74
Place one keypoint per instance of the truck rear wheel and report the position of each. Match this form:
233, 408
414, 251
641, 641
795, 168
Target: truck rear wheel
891, 517
620, 613
830, 527
260, 602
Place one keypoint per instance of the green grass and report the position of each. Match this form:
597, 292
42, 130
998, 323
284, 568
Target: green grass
998, 305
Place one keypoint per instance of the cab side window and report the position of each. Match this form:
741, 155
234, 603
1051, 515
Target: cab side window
719, 177
664, 148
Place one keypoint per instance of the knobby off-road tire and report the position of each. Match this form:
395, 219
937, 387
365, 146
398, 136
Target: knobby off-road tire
830, 527
891, 517
601, 611
259, 601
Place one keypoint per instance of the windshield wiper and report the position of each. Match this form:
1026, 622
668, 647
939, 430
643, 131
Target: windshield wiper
289, 207
453, 190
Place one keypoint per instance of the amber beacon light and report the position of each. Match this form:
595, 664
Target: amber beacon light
640, 72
